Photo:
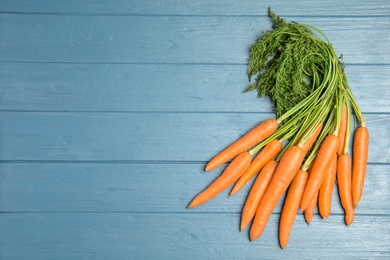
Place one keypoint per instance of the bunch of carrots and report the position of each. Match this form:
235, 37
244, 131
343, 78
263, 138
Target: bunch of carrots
302, 154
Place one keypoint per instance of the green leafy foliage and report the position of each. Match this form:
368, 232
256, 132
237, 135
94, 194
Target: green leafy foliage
288, 63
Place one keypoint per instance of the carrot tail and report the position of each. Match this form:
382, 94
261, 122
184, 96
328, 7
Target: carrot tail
359, 165
344, 186
251, 138
342, 130
326, 190
291, 206
256, 193
324, 157
309, 211
284, 174
266, 154
232, 172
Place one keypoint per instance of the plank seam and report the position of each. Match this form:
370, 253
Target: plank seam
125, 162
161, 63
189, 15
169, 213
152, 112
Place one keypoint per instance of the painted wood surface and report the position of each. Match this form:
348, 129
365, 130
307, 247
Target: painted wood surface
196, 87
185, 236
109, 111
172, 39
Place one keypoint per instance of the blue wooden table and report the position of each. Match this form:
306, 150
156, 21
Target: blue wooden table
109, 111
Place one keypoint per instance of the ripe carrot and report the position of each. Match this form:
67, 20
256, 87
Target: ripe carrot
324, 157
309, 211
344, 186
342, 130
310, 141
232, 172
326, 190
360, 156
284, 174
291, 206
251, 138
266, 154
256, 193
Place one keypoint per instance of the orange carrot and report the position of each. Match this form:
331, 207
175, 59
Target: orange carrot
342, 130
256, 193
344, 186
232, 172
360, 156
310, 141
291, 206
251, 138
266, 154
284, 174
309, 211
324, 157
326, 190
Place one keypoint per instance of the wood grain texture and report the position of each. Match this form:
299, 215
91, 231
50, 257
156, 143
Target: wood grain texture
109, 111
184, 236
173, 87
142, 136
173, 39
125, 187
200, 7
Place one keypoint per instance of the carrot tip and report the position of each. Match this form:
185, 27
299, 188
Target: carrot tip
325, 216
253, 236
192, 205
349, 219
283, 245
233, 191
243, 226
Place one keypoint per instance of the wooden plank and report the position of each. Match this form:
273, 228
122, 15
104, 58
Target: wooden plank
141, 136
200, 7
97, 187
172, 39
184, 236
173, 87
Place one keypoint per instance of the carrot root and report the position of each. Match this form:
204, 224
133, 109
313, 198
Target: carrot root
232, 172
344, 186
324, 157
308, 213
291, 206
265, 155
251, 138
359, 165
284, 174
256, 193
326, 190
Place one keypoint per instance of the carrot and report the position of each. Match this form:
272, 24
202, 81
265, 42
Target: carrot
344, 186
266, 154
284, 174
309, 211
360, 156
291, 206
251, 138
342, 130
256, 193
326, 190
324, 157
310, 141
232, 172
